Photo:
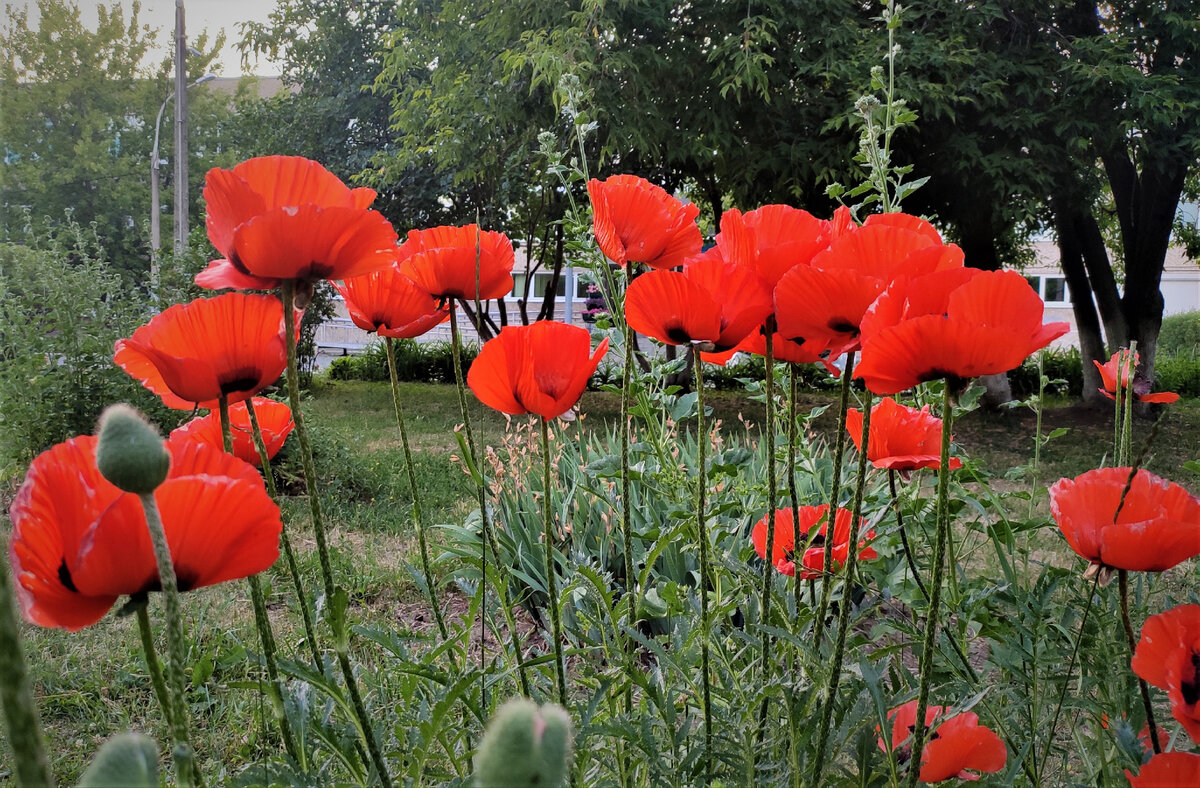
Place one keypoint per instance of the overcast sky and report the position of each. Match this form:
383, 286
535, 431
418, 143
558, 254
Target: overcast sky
210, 15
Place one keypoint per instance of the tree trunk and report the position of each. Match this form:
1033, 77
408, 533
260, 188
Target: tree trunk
999, 390
1087, 322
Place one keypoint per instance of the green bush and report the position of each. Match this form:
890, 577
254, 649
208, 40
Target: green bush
1064, 368
417, 362
1180, 335
1179, 373
62, 306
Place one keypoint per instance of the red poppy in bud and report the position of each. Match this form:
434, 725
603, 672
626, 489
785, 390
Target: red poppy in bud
902, 438
542, 368
287, 217
638, 222
771, 240
390, 304
812, 560
953, 324
953, 746
193, 353
275, 419
79, 543
825, 302
1112, 372
1167, 770
446, 262
1157, 528
713, 304
1168, 656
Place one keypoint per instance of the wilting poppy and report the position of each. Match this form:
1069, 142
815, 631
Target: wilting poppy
1168, 656
713, 304
79, 543
824, 302
1158, 527
771, 240
542, 368
812, 561
287, 217
953, 746
1111, 372
637, 222
275, 419
193, 353
390, 304
446, 262
1167, 770
953, 324
902, 438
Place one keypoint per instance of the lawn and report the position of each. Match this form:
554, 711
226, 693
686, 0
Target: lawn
93, 683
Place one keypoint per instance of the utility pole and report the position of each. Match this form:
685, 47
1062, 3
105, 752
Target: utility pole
181, 137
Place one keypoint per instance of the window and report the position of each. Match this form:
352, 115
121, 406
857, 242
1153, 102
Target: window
1052, 289
541, 282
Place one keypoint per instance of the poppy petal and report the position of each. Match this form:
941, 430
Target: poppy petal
669, 307
824, 306
313, 242
224, 275
1167, 770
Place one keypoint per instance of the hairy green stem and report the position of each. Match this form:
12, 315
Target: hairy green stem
626, 501
935, 600
418, 519
560, 669
908, 556
835, 493
1087, 608
16, 694
839, 650
772, 489
182, 752
1127, 431
310, 631
288, 291
1131, 639
790, 465
705, 570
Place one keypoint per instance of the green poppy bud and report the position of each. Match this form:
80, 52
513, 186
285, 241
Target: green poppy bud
130, 453
525, 745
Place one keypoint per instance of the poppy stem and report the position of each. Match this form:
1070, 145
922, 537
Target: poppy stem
488, 538
560, 669
839, 649
631, 580
288, 292
908, 556
835, 493
310, 632
1131, 638
772, 489
1067, 679
935, 600
16, 694
182, 752
153, 666
418, 519
702, 529
790, 465
261, 620
1127, 431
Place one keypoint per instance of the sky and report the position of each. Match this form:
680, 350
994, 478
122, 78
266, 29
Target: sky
200, 15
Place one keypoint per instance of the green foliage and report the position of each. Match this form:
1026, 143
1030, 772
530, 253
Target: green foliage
62, 306
1179, 336
417, 362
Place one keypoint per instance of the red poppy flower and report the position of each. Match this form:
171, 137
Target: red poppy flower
812, 561
953, 746
1111, 371
442, 261
712, 303
542, 368
784, 349
1168, 656
193, 353
286, 217
902, 438
771, 240
1158, 527
638, 222
390, 304
275, 419
79, 543
954, 324
1167, 770
825, 302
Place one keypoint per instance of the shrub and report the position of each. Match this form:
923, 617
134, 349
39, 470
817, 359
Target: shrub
1064, 366
1180, 335
417, 362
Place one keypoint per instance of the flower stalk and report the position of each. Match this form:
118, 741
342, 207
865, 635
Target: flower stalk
16, 695
705, 569
1131, 639
560, 670
772, 489
835, 492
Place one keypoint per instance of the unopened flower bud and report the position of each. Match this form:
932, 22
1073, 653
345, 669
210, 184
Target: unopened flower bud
525, 745
130, 452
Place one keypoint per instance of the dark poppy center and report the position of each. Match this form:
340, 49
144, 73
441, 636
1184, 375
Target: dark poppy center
64, 577
677, 335
1191, 689
239, 380
843, 325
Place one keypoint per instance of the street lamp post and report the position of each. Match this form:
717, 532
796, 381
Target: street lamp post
155, 211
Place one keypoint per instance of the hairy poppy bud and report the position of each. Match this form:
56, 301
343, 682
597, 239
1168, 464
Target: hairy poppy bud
130, 453
525, 745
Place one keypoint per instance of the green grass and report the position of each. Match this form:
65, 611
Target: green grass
93, 683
